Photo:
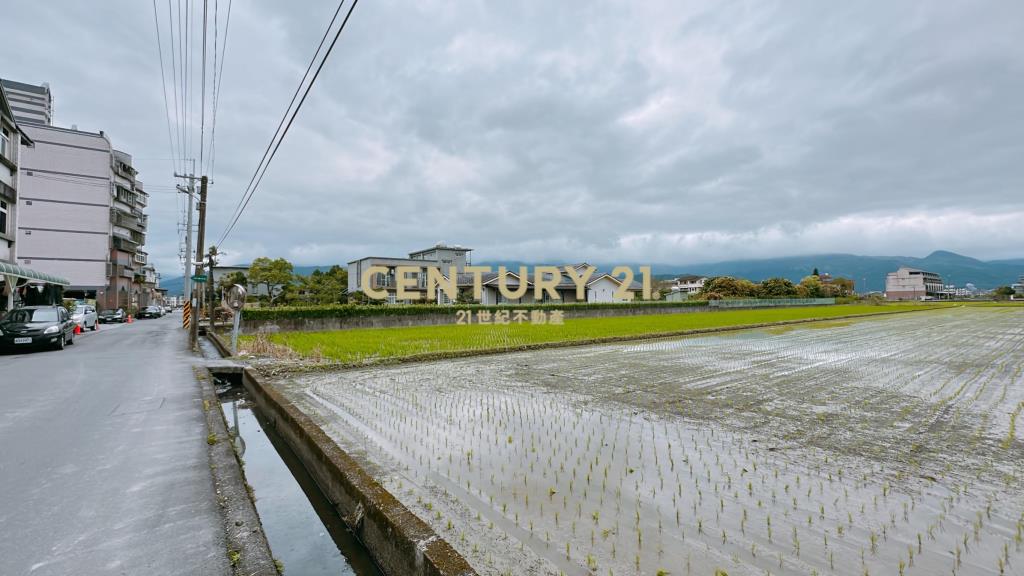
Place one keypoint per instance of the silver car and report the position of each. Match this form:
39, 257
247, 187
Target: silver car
85, 316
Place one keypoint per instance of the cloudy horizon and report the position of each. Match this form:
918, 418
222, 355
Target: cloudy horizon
610, 131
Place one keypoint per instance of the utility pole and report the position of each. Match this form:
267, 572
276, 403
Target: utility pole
211, 257
190, 191
194, 338
188, 239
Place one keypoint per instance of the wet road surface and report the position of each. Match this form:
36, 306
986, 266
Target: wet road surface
103, 461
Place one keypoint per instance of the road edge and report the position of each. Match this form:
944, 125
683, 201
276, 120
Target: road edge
246, 545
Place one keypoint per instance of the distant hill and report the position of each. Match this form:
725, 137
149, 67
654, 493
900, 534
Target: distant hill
176, 286
867, 271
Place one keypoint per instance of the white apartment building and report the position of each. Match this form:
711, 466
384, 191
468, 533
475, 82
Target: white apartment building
18, 284
30, 104
81, 209
912, 284
64, 206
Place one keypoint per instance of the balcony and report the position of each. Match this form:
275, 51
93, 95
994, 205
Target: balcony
124, 271
125, 195
124, 243
124, 170
141, 258
128, 221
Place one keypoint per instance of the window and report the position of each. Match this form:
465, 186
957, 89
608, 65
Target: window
27, 315
3, 217
5, 143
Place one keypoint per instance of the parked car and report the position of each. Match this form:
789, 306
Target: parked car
85, 316
37, 326
168, 309
150, 312
108, 316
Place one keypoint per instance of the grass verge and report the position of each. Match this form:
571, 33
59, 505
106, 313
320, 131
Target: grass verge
362, 346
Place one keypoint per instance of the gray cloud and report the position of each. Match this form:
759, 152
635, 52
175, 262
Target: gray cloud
653, 131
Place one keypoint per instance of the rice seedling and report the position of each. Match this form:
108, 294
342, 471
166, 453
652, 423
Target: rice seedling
692, 452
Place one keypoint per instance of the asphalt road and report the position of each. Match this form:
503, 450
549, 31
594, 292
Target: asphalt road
103, 458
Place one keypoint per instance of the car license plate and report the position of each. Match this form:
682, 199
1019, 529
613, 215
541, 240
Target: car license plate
22, 340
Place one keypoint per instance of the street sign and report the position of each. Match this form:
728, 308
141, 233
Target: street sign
199, 278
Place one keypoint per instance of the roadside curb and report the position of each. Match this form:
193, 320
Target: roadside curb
246, 544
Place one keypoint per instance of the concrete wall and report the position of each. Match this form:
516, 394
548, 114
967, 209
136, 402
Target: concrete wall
321, 324
399, 541
64, 205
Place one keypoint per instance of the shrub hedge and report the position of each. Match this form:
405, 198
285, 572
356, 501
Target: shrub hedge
355, 311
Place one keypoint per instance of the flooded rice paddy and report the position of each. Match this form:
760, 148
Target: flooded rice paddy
881, 446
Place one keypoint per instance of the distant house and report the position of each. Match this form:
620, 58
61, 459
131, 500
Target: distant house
688, 284
440, 257
600, 288
219, 272
912, 284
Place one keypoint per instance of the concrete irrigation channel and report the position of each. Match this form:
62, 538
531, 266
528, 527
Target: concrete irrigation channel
887, 445
315, 480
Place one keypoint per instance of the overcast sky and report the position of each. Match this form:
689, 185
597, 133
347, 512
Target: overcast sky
661, 132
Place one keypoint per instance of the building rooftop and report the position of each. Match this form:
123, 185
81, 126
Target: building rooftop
40, 89
441, 246
398, 258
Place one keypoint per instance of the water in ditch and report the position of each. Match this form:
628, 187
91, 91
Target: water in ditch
304, 531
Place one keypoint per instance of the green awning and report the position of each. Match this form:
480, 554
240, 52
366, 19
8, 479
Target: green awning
7, 269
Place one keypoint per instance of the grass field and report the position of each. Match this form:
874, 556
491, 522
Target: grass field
361, 345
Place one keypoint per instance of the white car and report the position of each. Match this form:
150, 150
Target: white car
85, 316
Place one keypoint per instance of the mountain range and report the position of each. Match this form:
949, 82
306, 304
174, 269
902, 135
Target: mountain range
868, 272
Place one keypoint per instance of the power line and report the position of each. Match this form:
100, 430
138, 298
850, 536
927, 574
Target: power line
255, 182
163, 80
183, 84
174, 85
188, 80
202, 99
291, 103
213, 96
217, 82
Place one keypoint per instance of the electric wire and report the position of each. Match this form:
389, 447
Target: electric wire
163, 80
261, 170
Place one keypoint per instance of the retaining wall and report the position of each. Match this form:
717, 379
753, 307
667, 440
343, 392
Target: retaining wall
399, 541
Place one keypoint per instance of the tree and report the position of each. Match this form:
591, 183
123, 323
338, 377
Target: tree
842, 287
358, 297
1004, 292
229, 280
330, 287
275, 275
810, 287
776, 288
815, 272
729, 287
